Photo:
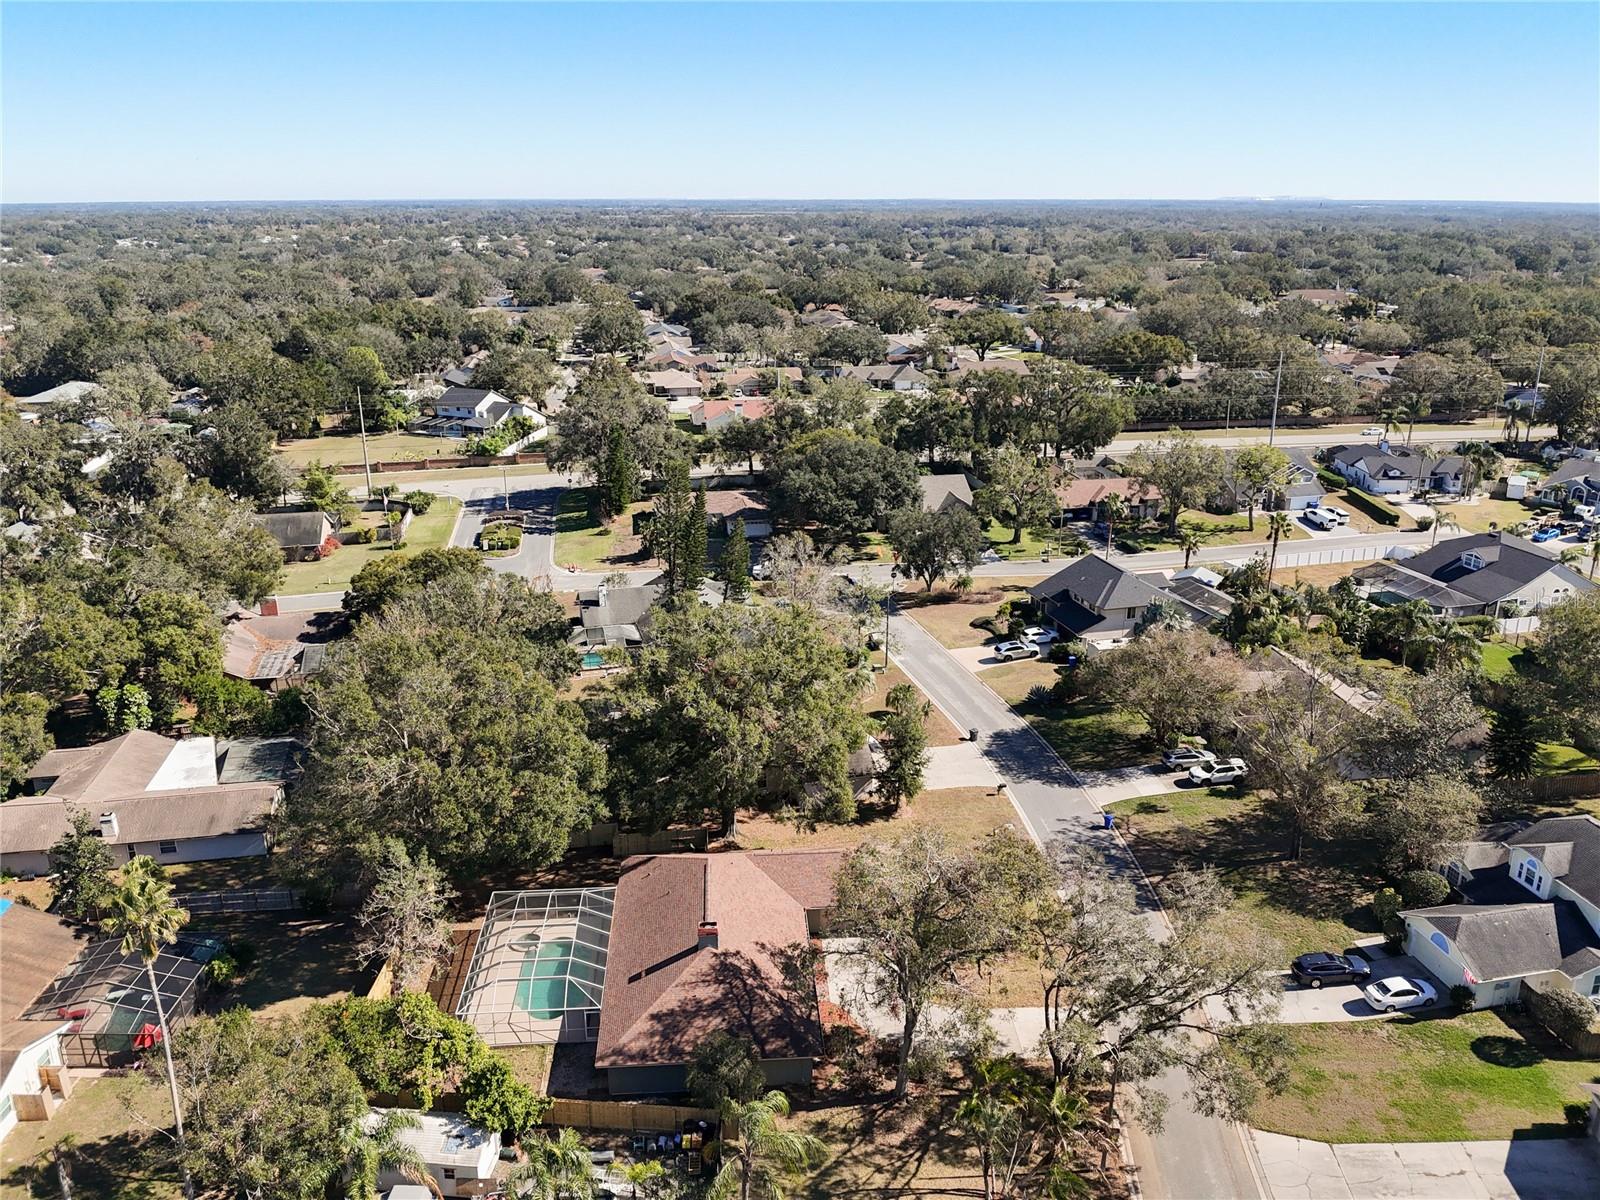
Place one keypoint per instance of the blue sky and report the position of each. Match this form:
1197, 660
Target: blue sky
367, 100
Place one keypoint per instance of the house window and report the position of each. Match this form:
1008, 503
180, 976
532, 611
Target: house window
1472, 560
1594, 986
1502, 985
449, 1172
166, 847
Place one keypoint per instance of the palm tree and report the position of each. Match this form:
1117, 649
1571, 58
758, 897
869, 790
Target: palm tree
1455, 645
557, 1169
645, 1173
372, 1148
1415, 406
57, 1159
143, 914
1113, 508
1192, 537
1278, 527
758, 1160
1441, 518
1482, 462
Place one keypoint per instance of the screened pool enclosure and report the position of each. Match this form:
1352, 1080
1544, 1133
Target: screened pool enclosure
539, 969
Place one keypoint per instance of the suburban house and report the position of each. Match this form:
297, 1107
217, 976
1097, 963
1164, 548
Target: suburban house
1529, 916
724, 506
68, 1000
277, 650
944, 306
458, 1155
712, 415
1085, 499
177, 801
700, 943
469, 412
749, 381
831, 317
662, 329
35, 947
963, 369
1482, 573
1390, 470
672, 383
1098, 602
888, 377
1576, 481
620, 616
1299, 489
940, 493
668, 355
302, 536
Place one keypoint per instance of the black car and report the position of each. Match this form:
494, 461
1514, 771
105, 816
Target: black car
1314, 970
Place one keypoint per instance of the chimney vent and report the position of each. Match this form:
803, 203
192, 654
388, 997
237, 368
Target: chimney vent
269, 607
108, 826
706, 938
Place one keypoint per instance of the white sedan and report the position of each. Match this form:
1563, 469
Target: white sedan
1006, 651
1222, 771
1397, 992
1376, 431
1188, 756
1038, 635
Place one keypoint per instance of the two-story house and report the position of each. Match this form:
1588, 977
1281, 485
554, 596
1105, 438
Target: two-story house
1479, 574
1529, 917
471, 412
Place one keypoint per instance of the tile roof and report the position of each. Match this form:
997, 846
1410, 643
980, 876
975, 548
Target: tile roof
666, 991
753, 408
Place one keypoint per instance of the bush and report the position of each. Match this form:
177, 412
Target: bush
1566, 1014
1577, 1114
222, 971
1423, 889
1463, 997
1394, 935
418, 501
1424, 523
362, 537
1379, 510
1385, 904
500, 537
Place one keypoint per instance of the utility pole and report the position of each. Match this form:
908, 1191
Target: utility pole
361, 416
1533, 409
1277, 390
505, 489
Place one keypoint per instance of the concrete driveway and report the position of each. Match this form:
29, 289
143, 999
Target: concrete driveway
1344, 1001
1529, 1169
1128, 783
959, 766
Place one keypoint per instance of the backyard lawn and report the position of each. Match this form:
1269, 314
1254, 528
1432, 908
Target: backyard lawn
1318, 903
430, 531
340, 448
1467, 1078
119, 1154
1488, 513
1499, 659
586, 542
300, 959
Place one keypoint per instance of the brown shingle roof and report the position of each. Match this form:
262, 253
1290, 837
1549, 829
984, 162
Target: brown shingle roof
664, 993
95, 773
35, 823
35, 947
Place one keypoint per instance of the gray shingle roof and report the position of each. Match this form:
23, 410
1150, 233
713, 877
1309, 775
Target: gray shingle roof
297, 530
1570, 848
1501, 941
1509, 564
1093, 581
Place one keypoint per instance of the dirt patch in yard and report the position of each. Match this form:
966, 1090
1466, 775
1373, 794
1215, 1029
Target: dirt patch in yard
963, 814
120, 1155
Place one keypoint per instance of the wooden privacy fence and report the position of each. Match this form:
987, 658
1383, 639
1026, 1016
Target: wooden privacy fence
255, 900
442, 462
613, 1114
605, 835
1564, 787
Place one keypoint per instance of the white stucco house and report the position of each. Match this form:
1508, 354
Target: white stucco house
1386, 470
470, 412
34, 948
1529, 916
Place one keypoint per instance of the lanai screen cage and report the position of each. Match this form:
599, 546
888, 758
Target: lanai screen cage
105, 995
539, 969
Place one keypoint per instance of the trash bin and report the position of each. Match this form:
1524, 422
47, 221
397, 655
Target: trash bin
972, 735
1110, 820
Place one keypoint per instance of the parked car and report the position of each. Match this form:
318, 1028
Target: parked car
1398, 992
1319, 518
1314, 970
1339, 514
1012, 650
1548, 534
1038, 635
1376, 431
1220, 771
1187, 756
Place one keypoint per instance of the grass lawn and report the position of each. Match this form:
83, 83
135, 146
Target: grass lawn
334, 573
941, 732
1488, 513
530, 1064
1231, 530
1558, 759
300, 959
1318, 903
335, 449
1035, 543
1092, 736
120, 1157
963, 814
224, 874
1467, 1078
948, 615
1499, 659
584, 541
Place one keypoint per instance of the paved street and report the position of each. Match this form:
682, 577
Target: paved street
1195, 1157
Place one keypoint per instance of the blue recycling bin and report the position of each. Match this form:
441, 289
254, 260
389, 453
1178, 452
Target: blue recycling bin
1110, 820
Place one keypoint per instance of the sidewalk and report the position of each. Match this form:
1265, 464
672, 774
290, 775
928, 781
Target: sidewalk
1532, 1169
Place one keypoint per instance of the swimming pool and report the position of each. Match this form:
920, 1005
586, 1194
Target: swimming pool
552, 976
